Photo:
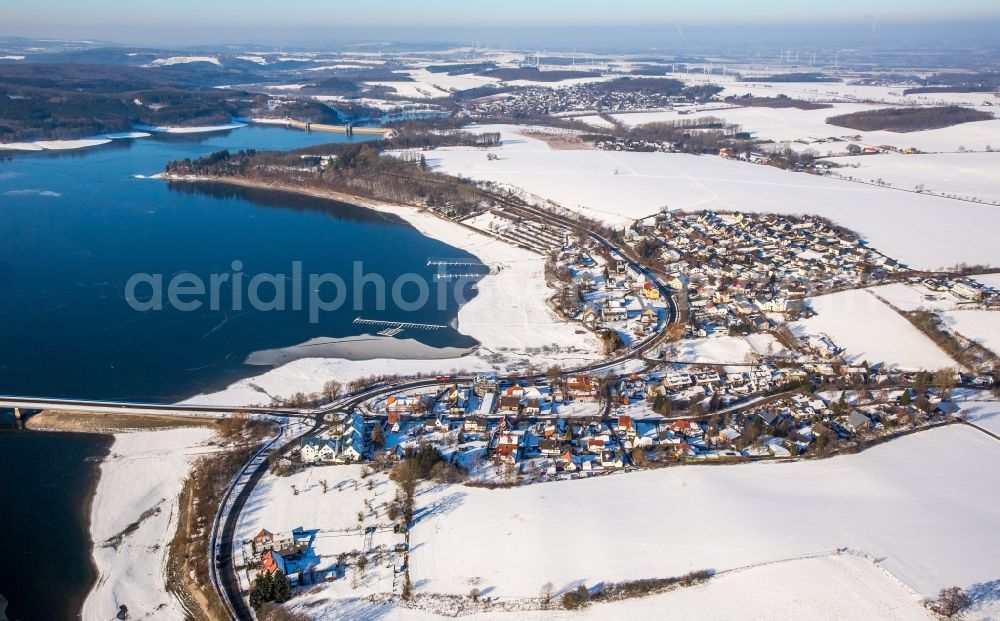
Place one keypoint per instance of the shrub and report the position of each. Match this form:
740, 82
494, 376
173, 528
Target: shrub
577, 598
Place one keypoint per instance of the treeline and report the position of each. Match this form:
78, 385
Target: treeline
665, 87
781, 101
792, 77
697, 135
508, 74
984, 82
908, 119
461, 69
356, 169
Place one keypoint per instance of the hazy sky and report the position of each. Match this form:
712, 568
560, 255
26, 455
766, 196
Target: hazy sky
188, 21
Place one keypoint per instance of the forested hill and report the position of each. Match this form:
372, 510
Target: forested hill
362, 170
48, 101
909, 119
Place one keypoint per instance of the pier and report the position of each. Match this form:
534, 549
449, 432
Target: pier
400, 325
458, 276
456, 262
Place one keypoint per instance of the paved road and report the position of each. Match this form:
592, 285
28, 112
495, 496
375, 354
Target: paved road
223, 554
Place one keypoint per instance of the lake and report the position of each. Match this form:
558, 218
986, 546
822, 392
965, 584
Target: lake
75, 226
48, 478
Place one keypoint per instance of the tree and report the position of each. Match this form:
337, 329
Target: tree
577, 598
553, 374
546, 595
378, 436
944, 379
332, 389
268, 587
282, 587
407, 586
474, 594
951, 601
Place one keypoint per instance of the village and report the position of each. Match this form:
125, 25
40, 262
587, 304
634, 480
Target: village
731, 275
628, 94
507, 431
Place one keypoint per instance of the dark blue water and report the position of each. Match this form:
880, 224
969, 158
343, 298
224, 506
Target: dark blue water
75, 226
45, 514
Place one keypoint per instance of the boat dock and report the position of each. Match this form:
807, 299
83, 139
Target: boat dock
456, 262
458, 276
392, 328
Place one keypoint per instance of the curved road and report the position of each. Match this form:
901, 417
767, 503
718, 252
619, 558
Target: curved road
224, 575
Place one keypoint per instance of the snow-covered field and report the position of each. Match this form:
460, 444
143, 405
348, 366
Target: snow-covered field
823, 588
769, 531
802, 129
413, 90
724, 349
509, 317
618, 187
778, 124
985, 414
869, 330
139, 485
900, 502
835, 91
913, 296
594, 121
990, 280
446, 83
982, 326
965, 175
183, 60
280, 504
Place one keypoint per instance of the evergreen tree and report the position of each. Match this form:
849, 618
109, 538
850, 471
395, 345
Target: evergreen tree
282, 587
262, 590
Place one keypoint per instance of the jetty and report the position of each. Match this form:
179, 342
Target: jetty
397, 325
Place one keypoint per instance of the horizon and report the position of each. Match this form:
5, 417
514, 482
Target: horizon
641, 24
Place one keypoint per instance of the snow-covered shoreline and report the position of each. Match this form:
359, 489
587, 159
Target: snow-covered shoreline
66, 145
197, 129
139, 131
133, 517
509, 317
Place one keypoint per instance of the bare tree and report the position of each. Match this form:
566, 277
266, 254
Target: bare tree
944, 379
553, 374
546, 595
951, 601
332, 389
